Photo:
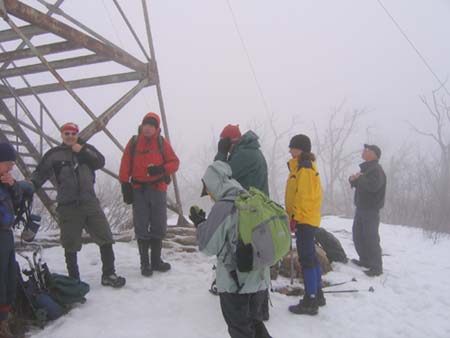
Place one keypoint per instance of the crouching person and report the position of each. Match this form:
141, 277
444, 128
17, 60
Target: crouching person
10, 198
242, 295
73, 164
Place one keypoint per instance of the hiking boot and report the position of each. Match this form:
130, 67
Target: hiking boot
321, 301
113, 280
307, 306
72, 265
359, 263
157, 263
146, 269
373, 272
4, 330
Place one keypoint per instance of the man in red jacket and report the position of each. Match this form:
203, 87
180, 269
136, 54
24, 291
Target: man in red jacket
145, 169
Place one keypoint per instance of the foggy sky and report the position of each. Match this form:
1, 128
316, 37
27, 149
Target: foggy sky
309, 56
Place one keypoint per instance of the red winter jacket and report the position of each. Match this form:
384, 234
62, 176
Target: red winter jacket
146, 153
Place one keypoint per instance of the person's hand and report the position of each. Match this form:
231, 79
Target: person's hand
76, 148
224, 145
354, 177
7, 179
155, 170
197, 215
292, 225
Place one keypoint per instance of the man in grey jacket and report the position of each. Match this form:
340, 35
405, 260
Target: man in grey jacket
73, 164
241, 294
370, 190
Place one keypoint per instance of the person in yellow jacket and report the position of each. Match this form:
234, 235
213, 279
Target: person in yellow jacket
303, 201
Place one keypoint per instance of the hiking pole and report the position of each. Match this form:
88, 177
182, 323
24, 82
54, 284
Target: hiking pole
371, 289
292, 263
340, 283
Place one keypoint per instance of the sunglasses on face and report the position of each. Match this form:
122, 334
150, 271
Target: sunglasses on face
70, 133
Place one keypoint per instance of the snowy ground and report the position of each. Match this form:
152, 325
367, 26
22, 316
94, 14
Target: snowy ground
411, 298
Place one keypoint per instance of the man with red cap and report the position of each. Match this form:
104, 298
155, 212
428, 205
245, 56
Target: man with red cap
243, 154
73, 164
145, 169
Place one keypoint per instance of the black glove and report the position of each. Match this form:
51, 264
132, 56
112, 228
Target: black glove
127, 192
155, 170
224, 145
197, 215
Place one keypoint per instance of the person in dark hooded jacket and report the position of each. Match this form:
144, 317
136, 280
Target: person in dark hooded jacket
73, 164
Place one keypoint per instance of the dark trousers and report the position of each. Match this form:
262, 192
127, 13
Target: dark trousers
149, 213
243, 314
366, 238
306, 249
7, 270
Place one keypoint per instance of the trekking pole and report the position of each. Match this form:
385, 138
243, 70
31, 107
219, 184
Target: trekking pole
340, 283
371, 289
292, 263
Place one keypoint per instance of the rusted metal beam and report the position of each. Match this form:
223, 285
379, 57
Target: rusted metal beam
29, 31
60, 64
90, 82
56, 27
96, 126
53, 48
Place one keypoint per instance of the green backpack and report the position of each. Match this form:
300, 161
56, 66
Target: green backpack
264, 237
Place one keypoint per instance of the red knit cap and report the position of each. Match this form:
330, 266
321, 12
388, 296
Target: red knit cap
69, 127
231, 131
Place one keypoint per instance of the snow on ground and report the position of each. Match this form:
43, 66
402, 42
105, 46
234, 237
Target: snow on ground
411, 298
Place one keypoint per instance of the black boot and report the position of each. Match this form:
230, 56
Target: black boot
71, 264
321, 301
307, 306
143, 245
109, 277
157, 262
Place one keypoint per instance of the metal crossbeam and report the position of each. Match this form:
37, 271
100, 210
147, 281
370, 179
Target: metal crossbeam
29, 31
53, 48
60, 64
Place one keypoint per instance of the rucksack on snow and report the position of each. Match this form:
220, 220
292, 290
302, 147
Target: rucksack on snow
263, 231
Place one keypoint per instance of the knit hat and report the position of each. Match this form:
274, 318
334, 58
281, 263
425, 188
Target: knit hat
70, 126
151, 119
301, 142
7, 152
374, 148
231, 131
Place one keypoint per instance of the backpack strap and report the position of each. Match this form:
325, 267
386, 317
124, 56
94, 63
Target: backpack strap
133, 141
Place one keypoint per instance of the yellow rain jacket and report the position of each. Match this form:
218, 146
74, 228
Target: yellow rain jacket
303, 193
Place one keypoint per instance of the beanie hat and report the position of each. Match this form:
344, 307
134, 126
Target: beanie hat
150, 119
70, 126
7, 152
374, 148
231, 131
301, 142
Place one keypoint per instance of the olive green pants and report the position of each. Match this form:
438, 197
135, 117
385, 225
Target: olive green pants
89, 216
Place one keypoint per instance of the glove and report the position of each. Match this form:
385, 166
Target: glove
224, 145
155, 170
197, 215
127, 192
292, 225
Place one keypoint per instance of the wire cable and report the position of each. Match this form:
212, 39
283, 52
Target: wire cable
252, 68
442, 84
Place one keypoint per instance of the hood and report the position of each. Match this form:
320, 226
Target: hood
153, 115
219, 183
249, 140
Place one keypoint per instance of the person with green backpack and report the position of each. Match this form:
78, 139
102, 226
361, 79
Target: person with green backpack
303, 201
241, 280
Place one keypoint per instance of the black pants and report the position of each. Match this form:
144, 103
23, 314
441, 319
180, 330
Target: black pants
243, 314
7, 270
366, 238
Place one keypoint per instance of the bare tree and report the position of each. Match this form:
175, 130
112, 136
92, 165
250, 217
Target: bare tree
439, 110
336, 159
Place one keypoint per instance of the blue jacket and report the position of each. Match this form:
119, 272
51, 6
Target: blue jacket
10, 198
